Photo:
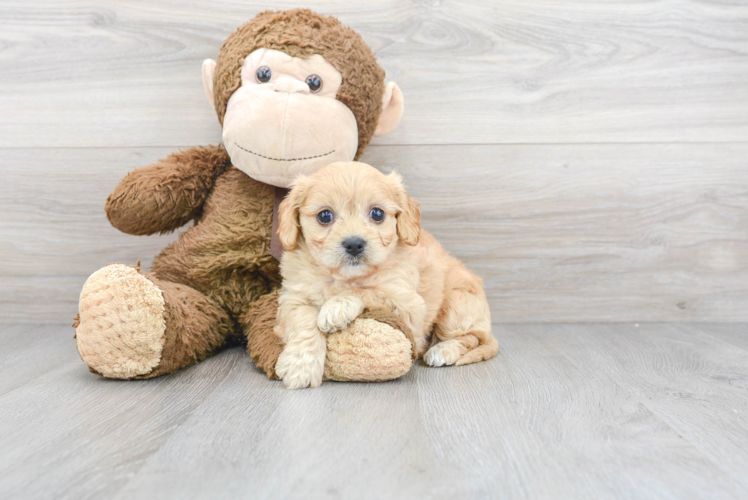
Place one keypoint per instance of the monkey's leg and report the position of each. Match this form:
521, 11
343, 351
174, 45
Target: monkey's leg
372, 348
134, 325
258, 322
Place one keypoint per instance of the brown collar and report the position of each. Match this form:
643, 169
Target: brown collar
276, 249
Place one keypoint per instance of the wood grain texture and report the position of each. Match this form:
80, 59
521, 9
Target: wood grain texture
564, 411
87, 434
599, 233
111, 74
647, 358
559, 232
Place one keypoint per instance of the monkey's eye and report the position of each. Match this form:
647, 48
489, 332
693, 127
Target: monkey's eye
376, 214
264, 74
314, 82
325, 217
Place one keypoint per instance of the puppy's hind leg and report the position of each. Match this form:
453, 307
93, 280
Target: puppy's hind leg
463, 326
449, 352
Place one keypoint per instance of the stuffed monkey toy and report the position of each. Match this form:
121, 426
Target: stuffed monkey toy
294, 92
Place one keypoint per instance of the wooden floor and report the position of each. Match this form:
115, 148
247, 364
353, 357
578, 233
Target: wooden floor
564, 411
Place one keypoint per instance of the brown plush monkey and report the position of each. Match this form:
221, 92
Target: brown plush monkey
294, 91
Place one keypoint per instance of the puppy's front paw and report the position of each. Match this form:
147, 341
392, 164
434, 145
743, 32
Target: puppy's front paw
443, 353
299, 371
339, 312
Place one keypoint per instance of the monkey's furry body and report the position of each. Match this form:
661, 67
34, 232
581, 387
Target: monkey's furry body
217, 285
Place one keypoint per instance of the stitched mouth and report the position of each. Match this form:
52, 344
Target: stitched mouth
284, 159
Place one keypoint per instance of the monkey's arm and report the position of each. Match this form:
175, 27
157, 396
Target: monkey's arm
167, 194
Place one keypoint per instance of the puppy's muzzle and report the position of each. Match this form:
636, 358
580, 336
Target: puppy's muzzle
354, 246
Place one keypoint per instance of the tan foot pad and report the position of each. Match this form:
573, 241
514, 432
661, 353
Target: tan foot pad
121, 330
367, 351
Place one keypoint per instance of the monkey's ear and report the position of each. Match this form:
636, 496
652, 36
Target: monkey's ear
392, 109
209, 71
289, 226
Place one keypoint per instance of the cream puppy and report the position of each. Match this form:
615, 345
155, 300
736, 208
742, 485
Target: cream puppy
353, 240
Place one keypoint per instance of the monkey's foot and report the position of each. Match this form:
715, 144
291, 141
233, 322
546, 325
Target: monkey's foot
368, 351
122, 327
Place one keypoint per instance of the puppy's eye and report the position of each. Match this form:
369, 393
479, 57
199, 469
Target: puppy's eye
264, 74
325, 217
314, 82
376, 214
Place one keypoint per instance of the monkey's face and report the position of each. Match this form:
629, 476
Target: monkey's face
285, 119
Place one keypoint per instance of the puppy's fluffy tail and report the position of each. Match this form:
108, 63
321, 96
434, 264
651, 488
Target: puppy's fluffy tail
487, 349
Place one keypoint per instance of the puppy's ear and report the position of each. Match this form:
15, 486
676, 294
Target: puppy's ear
409, 221
289, 227
409, 218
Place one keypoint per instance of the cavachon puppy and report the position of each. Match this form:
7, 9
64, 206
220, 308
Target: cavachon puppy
353, 240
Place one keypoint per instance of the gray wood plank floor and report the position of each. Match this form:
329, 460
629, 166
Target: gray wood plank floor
564, 411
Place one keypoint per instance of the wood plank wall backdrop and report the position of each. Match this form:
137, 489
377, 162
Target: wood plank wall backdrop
588, 158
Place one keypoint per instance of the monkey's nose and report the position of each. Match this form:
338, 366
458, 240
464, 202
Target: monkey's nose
290, 86
354, 245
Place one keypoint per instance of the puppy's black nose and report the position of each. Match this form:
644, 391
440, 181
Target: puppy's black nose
354, 245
